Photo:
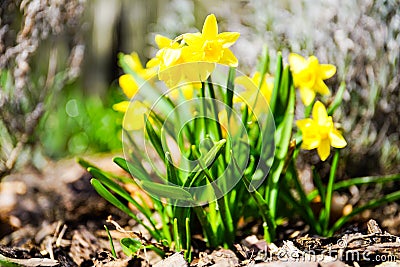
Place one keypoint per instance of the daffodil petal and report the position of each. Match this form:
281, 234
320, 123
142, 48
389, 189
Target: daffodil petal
162, 41
304, 123
324, 149
154, 62
313, 63
296, 62
193, 39
228, 58
228, 38
337, 139
321, 87
327, 71
210, 27
319, 113
128, 85
171, 56
121, 106
307, 95
133, 61
310, 143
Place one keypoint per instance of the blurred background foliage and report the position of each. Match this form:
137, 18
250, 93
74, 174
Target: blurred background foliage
62, 56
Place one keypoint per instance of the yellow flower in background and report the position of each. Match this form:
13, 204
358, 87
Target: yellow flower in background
252, 93
170, 53
309, 76
135, 64
121, 106
134, 115
319, 132
211, 46
186, 90
128, 85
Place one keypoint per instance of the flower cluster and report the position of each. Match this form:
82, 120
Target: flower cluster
319, 132
207, 47
201, 51
215, 156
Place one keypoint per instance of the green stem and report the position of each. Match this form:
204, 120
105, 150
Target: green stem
177, 238
329, 191
214, 107
229, 93
223, 206
203, 107
205, 224
269, 223
188, 252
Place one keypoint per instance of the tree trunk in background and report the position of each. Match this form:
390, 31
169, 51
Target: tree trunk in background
116, 26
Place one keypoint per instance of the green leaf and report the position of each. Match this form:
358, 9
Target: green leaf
284, 90
103, 192
130, 246
277, 81
230, 89
166, 191
107, 181
99, 187
325, 213
264, 64
111, 242
359, 181
284, 130
172, 175
85, 164
178, 246
269, 230
320, 187
6, 263
155, 139
338, 99
208, 160
131, 168
188, 252
395, 196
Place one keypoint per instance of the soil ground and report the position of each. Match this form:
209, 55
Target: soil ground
53, 217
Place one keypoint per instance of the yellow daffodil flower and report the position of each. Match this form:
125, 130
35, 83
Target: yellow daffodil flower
134, 115
211, 46
171, 62
191, 56
128, 84
170, 53
135, 64
309, 76
252, 93
319, 132
186, 90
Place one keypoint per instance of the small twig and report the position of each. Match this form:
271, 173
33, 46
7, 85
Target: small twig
60, 236
122, 230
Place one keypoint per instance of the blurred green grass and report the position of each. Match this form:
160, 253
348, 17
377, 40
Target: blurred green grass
81, 123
